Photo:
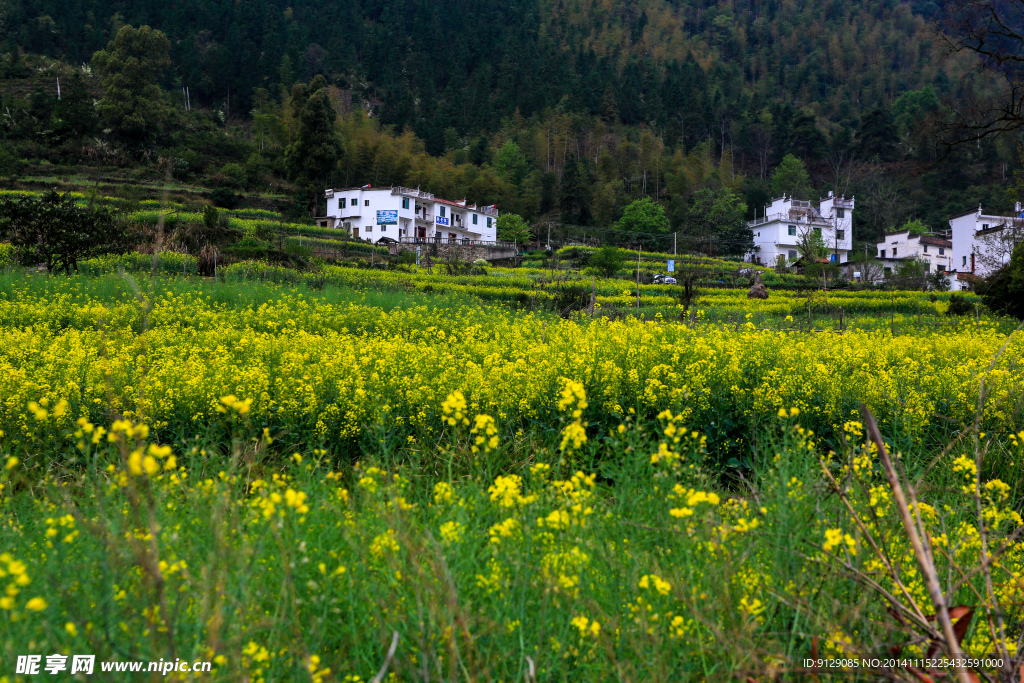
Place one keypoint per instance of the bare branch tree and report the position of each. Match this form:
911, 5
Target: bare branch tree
841, 168
994, 246
884, 203
993, 31
761, 139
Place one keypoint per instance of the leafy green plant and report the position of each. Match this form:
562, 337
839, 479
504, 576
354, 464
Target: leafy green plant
959, 305
54, 230
607, 260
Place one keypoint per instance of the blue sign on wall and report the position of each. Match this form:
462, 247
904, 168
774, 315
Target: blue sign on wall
671, 266
441, 220
387, 217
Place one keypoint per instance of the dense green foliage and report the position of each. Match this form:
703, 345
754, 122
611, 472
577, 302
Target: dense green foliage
131, 66
315, 152
607, 260
467, 63
54, 231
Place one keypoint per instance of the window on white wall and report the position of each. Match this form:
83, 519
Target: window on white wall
341, 203
488, 222
366, 203
840, 212
474, 219
792, 230
405, 202
840, 234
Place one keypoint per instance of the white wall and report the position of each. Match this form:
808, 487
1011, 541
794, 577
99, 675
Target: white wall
963, 240
363, 217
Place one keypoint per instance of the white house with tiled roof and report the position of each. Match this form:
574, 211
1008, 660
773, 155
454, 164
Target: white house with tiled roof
983, 242
403, 214
787, 220
936, 253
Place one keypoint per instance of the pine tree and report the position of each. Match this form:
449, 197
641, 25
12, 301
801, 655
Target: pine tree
131, 66
574, 200
317, 147
791, 178
75, 110
878, 137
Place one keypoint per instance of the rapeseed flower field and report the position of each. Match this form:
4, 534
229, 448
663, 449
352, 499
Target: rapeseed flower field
343, 484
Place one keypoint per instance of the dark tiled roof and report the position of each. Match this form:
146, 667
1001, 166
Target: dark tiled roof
989, 231
450, 202
937, 241
965, 213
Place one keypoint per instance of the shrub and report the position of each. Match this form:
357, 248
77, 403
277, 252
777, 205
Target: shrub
959, 305
234, 174
1003, 292
224, 198
607, 260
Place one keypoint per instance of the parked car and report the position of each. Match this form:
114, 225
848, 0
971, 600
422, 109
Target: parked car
660, 279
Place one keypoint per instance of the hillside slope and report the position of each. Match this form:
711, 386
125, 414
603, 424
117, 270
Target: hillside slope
465, 64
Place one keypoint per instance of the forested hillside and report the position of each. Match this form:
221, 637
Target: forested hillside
569, 109
679, 66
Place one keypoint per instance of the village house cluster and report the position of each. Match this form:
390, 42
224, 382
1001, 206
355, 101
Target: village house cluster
976, 245
403, 214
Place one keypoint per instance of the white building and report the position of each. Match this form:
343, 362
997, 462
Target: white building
936, 253
786, 220
403, 214
982, 243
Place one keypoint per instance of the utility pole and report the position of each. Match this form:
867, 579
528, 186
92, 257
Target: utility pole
675, 235
638, 251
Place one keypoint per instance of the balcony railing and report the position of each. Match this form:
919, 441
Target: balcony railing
814, 218
463, 241
410, 192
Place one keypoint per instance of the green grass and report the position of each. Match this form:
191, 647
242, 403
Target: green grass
737, 587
